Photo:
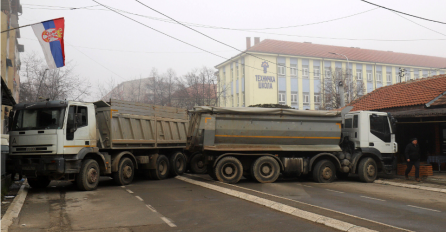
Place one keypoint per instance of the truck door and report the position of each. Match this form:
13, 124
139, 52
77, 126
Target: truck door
77, 131
380, 136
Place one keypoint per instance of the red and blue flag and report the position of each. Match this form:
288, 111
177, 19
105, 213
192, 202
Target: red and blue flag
50, 35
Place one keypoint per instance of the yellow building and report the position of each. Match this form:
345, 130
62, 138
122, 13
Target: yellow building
10, 54
301, 74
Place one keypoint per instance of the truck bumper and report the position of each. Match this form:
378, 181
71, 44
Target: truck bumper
33, 166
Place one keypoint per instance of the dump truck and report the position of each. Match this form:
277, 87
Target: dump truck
262, 143
79, 142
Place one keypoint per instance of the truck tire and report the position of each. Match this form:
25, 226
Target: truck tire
229, 170
39, 182
88, 177
367, 170
177, 164
162, 168
211, 172
197, 164
324, 171
125, 173
265, 169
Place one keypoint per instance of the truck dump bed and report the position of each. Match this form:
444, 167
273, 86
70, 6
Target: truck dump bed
264, 129
124, 125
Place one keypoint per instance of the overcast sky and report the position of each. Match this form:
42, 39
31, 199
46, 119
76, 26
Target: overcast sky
103, 44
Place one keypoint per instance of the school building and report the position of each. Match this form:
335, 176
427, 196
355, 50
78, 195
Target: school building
295, 73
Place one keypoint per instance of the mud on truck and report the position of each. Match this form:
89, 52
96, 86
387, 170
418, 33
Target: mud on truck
262, 143
79, 142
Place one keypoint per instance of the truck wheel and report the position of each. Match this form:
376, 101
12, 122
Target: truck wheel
125, 173
197, 164
88, 178
324, 171
265, 170
211, 172
177, 164
162, 168
229, 170
367, 170
342, 175
39, 182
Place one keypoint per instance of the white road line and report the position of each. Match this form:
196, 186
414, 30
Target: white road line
139, 198
151, 208
123, 186
373, 198
168, 222
128, 190
334, 191
424, 208
307, 186
301, 202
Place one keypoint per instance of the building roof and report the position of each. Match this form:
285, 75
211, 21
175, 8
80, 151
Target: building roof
411, 93
353, 54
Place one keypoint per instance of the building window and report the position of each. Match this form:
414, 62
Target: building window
358, 74
282, 98
327, 73
243, 99
369, 76
243, 70
316, 72
389, 78
293, 98
317, 99
237, 100
306, 98
415, 74
281, 70
378, 77
236, 74
398, 79
305, 72
293, 71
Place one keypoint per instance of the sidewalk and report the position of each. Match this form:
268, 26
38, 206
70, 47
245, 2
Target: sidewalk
436, 183
10, 195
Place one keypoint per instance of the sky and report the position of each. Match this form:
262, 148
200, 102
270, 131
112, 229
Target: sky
104, 45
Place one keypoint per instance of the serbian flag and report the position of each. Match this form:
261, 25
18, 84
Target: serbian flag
50, 35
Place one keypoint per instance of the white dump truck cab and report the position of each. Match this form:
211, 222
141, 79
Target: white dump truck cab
371, 132
46, 139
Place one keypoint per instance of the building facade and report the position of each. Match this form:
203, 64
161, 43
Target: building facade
302, 75
10, 53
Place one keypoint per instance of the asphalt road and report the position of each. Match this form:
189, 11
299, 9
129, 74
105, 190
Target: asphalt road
168, 205
373, 205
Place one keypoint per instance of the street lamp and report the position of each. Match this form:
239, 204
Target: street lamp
348, 66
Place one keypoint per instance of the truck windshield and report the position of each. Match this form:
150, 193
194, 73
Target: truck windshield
39, 119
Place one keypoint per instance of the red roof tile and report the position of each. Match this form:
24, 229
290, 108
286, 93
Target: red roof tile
353, 54
415, 92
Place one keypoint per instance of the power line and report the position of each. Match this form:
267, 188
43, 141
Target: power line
420, 24
403, 12
261, 32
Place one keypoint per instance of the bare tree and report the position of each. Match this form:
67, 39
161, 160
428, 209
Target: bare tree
40, 82
353, 89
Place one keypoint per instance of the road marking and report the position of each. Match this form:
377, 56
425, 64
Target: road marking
334, 191
123, 186
307, 186
151, 208
373, 198
424, 208
327, 221
319, 207
168, 222
139, 198
128, 190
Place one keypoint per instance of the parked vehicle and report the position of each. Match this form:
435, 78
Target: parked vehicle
261, 143
79, 142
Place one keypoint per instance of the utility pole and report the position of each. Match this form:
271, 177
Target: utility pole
347, 75
341, 92
401, 74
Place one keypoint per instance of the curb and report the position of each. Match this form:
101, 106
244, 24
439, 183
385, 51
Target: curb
412, 186
15, 207
327, 221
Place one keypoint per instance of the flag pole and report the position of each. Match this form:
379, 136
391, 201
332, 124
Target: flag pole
19, 27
